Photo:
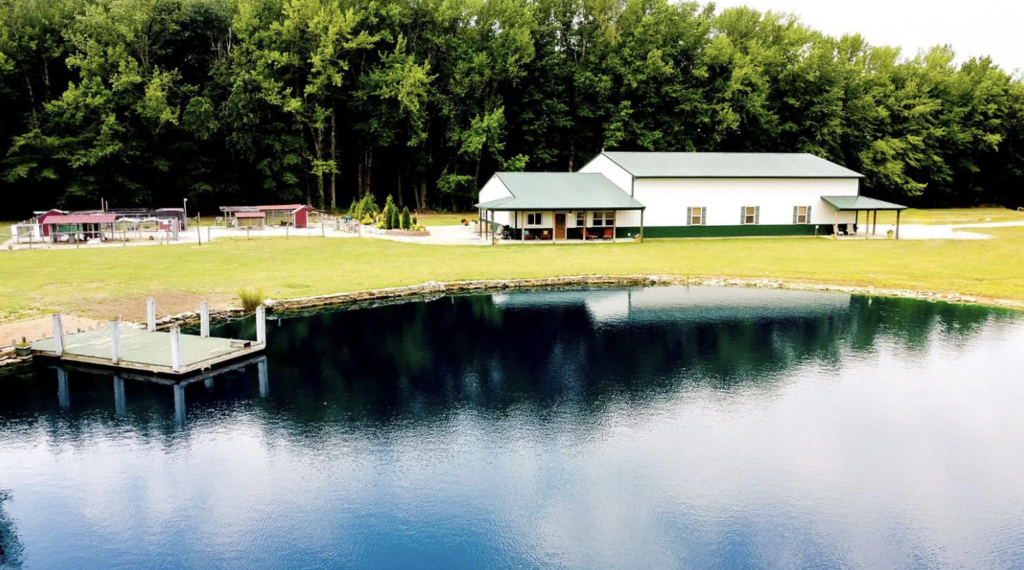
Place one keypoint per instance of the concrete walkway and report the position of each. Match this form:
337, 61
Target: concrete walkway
950, 231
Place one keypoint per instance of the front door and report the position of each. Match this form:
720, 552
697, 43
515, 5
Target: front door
559, 226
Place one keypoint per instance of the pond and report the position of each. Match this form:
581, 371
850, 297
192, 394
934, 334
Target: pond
667, 427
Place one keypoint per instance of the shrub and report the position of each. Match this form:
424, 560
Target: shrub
415, 221
390, 214
251, 298
367, 220
406, 219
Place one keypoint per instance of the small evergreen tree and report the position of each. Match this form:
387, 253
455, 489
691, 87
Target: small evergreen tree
355, 209
406, 219
390, 214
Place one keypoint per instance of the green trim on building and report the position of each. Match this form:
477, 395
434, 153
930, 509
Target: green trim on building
750, 230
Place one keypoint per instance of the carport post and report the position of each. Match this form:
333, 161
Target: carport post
897, 224
874, 224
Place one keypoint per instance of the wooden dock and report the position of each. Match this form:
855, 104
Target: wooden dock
148, 351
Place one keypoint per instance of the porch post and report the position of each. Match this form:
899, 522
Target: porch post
583, 230
522, 226
898, 224
874, 224
641, 225
615, 223
479, 223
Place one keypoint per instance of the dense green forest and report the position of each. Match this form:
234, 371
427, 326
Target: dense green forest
146, 102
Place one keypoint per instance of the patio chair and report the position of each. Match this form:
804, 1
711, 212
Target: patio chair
608, 233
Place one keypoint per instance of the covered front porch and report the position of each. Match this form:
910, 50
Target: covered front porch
559, 207
858, 204
560, 225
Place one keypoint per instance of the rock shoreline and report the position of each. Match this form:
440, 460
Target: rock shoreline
436, 288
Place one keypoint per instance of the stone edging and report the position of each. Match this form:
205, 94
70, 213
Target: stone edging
440, 288
435, 288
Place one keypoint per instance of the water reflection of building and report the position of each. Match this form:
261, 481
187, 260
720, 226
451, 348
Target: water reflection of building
682, 304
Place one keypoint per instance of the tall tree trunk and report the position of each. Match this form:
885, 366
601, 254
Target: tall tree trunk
318, 147
415, 196
369, 169
359, 183
334, 159
398, 189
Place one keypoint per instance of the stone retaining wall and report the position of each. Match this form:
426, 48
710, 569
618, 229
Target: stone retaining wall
434, 289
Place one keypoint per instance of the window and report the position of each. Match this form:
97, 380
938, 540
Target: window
581, 219
750, 214
604, 219
534, 219
801, 214
695, 216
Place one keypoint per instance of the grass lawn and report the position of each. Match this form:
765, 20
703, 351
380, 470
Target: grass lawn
952, 216
452, 219
90, 281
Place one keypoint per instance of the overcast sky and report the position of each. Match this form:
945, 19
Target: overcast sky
971, 27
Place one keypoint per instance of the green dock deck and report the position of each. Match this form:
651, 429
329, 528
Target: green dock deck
146, 351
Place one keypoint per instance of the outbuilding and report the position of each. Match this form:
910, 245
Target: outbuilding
687, 194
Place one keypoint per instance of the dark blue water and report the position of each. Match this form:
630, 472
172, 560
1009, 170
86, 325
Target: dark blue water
660, 428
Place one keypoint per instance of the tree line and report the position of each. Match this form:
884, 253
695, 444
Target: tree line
147, 102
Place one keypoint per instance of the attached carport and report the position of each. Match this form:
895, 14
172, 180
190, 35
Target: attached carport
868, 205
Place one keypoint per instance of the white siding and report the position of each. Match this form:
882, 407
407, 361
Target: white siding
604, 165
493, 190
668, 198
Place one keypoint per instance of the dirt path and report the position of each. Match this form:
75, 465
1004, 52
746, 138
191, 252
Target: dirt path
42, 327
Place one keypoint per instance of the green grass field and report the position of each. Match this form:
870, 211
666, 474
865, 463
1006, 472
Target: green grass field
446, 219
75, 281
952, 216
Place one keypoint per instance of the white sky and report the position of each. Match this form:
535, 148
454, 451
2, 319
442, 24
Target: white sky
972, 28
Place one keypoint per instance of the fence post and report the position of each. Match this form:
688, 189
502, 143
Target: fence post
151, 314
115, 341
204, 320
176, 348
58, 334
261, 325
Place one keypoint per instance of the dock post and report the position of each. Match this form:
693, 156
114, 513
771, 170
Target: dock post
119, 404
204, 320
115, 341
261, 369
63, 396
58, 334
176, 348
150, 314
261, 325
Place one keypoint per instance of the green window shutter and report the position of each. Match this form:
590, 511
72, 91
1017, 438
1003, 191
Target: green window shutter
743, 215
689, 216
796, 210
808, 214
757, 214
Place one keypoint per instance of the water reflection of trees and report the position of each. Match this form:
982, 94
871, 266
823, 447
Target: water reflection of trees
10, 544
423, 360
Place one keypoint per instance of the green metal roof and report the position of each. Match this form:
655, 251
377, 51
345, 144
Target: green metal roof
728, 165
561, 191
860, 203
